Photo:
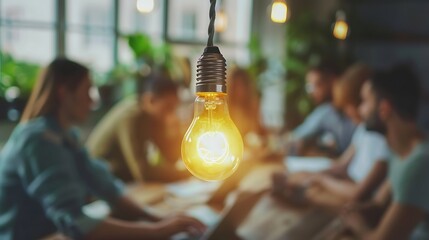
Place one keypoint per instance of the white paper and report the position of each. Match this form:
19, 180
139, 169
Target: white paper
192, 188
309, 164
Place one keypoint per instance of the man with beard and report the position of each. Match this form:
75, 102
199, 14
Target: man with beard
392, 109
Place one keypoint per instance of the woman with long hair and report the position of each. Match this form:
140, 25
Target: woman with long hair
243, 101
46, 175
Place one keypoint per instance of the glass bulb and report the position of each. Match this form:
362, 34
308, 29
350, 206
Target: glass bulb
145, 6
341, 29
279, 12
212, 148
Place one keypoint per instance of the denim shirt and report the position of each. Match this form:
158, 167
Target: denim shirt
324, 123
46, 177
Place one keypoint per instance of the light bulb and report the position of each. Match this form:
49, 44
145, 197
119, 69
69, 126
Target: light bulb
279, 11
212, 147
145, 6
341, 28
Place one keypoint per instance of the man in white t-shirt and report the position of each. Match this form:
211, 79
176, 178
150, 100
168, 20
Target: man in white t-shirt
355, 177
369, 148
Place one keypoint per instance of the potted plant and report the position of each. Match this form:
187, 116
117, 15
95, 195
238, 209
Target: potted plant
17, 80
149, 57
110, 84
307, 42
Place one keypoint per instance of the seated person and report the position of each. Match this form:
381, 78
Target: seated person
243, 103
326, 126
244, 109
394, 98
46, 175
140, 137
362, 166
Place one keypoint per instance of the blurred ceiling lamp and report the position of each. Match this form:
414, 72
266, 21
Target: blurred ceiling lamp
341, 28
279, 11
221, 21
145, 6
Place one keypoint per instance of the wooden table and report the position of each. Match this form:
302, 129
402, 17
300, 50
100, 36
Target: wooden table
251, 212
256, 214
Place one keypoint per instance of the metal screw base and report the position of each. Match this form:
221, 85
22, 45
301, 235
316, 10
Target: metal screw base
211, 71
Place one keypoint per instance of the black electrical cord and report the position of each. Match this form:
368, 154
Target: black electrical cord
212, 15
211, 66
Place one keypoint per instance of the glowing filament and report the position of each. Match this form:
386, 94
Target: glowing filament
212, 147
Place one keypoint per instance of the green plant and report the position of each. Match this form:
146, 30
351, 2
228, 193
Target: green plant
117, 75
258, 61
16, 73
307, 42
145, 51
142, 46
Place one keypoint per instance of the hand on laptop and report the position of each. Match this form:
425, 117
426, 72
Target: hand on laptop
179, 224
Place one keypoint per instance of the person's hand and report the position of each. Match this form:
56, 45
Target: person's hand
314, 180
290, 183
369, 212
279, 182
353, 217
177, 224
151, 218
301, 178
287, 191
337, 169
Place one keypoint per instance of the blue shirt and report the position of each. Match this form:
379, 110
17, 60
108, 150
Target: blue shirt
46, 178
327, 124
410, 184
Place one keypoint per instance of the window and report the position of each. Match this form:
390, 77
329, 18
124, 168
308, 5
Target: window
187, 21
133, 21
29, 11
31, 45
27, 29
90, 33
